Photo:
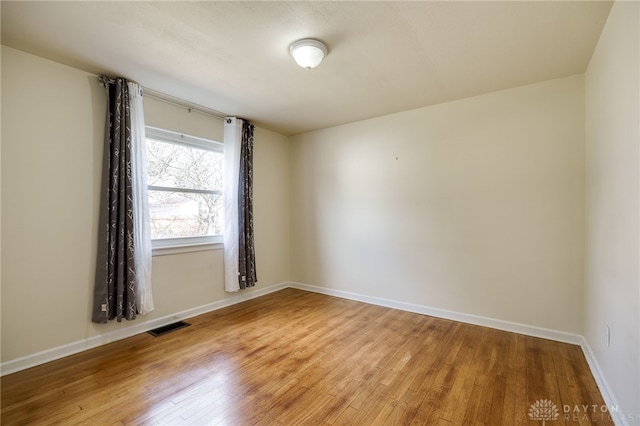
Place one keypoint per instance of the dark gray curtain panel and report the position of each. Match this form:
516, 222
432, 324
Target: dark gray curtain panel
115, 286
246, 250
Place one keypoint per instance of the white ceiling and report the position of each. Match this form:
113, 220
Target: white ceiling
384, 57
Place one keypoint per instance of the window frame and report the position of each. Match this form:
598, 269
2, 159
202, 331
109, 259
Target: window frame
163, 246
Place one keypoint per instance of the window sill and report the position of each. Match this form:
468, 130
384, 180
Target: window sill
186, 248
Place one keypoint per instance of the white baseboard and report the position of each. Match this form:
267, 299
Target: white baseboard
607, 394
529, 330
48, 355
545, 333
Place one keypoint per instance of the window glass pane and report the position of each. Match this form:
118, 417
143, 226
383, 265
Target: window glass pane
184, 214
183, 166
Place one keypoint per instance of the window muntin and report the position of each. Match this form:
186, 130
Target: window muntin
185, 178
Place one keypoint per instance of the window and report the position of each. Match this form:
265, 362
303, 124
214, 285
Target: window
185, 178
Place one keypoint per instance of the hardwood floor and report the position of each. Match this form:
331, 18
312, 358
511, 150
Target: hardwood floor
294, 357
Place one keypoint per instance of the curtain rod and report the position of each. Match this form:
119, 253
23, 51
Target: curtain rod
163, 97
190, 106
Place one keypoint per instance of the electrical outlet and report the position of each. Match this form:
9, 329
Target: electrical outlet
608, 336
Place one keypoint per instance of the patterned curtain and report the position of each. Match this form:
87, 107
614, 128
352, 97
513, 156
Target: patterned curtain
115, 283
246, 250
239, 251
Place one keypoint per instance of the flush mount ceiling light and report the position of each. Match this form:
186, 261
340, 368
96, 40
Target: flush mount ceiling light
308, 52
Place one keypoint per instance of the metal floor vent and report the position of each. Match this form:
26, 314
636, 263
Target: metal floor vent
167, 328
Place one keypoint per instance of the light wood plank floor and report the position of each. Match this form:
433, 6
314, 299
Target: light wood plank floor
294, 357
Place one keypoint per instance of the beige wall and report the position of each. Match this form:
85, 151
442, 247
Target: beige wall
612, 204
474, 206
53, 123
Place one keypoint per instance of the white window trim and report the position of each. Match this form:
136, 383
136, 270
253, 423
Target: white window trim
182, 139
163, 247
166, 246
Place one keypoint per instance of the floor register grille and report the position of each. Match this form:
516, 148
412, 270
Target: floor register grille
168, 328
